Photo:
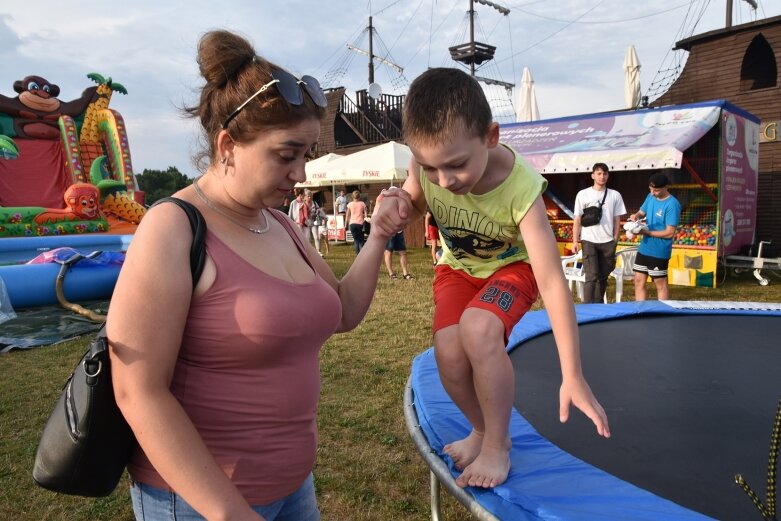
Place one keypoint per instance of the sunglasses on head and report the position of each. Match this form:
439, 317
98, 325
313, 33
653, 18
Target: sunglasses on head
290, 88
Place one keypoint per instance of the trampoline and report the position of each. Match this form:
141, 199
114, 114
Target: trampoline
691, 390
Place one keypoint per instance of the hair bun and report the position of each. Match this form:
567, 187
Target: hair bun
222, 54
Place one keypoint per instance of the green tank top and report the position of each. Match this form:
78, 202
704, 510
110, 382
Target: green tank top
479, 233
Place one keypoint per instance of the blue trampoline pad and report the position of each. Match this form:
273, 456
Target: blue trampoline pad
690, 394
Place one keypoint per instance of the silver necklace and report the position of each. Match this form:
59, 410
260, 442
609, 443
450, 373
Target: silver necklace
256, 231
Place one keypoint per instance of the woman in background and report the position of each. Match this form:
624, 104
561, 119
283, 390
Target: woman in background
355, 217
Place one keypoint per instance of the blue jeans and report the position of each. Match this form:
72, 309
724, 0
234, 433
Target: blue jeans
154, 504
358, 238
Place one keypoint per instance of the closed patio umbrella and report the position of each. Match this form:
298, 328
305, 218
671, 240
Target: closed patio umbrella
526, 105
631, 78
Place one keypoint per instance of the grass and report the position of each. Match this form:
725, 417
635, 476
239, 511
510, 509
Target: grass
367, 467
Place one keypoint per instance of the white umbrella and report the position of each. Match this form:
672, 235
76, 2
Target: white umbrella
526, 106
631, 78
386, 163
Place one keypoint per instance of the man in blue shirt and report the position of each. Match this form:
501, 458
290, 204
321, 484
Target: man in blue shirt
662, 213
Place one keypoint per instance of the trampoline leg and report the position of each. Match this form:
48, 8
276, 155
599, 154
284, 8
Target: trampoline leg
435, 509
762, 280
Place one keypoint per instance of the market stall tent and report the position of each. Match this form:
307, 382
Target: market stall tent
316, 175
386, 163
709, 150
382, 164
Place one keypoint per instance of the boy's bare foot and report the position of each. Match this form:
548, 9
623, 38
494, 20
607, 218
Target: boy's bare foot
464, 451
488, 470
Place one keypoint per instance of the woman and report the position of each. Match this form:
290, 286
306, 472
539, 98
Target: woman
355, 217
220, 383
298, 211
317, 219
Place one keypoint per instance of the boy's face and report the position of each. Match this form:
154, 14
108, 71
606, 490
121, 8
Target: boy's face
458, 164
600, 177
659, 193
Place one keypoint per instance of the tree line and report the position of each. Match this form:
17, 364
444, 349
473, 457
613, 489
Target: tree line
157, 184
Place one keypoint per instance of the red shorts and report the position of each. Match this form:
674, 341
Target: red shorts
509, 294
433, 233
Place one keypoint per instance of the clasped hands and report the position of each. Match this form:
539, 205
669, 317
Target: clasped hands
393, 213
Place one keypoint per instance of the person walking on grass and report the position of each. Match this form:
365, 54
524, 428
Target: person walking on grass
432, 234
355, 219
397, 244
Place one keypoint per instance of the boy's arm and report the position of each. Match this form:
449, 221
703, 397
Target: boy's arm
415, 191
616, 227
576, 234
667, 233
555, 293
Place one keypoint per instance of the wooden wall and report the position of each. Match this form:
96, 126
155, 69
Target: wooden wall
713, 71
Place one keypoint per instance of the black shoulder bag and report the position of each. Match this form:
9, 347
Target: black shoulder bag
86, 442
593, 214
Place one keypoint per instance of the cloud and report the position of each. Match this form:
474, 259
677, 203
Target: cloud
149, 46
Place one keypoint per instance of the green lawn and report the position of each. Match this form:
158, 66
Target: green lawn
367, 467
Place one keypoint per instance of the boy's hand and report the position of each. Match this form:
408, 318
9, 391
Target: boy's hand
392, 215
577, 392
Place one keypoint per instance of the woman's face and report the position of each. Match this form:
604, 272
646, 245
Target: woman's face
266, 169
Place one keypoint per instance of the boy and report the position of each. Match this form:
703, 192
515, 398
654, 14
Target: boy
662, 212
482, 194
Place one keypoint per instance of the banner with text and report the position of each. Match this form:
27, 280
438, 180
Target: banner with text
632, 140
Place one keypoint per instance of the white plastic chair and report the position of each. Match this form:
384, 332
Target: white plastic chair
573, 272
623, 270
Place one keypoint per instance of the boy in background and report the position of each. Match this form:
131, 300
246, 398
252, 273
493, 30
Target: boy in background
498, 249
662, 213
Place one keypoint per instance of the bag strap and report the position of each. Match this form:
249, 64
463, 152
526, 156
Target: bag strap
198, 226
604, 197
197, 258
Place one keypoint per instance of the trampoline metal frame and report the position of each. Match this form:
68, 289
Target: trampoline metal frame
438, 469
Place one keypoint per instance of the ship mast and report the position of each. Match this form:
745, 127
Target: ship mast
474, 53
372, 56
752, 3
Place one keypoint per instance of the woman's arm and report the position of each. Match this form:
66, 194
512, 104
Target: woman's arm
357, 287
145, 326
415, 191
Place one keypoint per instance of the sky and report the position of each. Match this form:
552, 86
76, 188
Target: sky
574, 50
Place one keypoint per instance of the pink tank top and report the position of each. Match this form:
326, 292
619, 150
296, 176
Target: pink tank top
248, 374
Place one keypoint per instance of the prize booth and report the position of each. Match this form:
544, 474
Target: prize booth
708, 150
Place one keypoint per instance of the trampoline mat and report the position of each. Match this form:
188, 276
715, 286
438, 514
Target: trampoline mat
690, 399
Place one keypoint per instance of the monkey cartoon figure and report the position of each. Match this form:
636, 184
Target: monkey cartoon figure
36, 110
82, 204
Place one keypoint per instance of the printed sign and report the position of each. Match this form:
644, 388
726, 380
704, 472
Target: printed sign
738, 188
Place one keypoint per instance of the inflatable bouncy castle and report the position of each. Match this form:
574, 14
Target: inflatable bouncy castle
65, 166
